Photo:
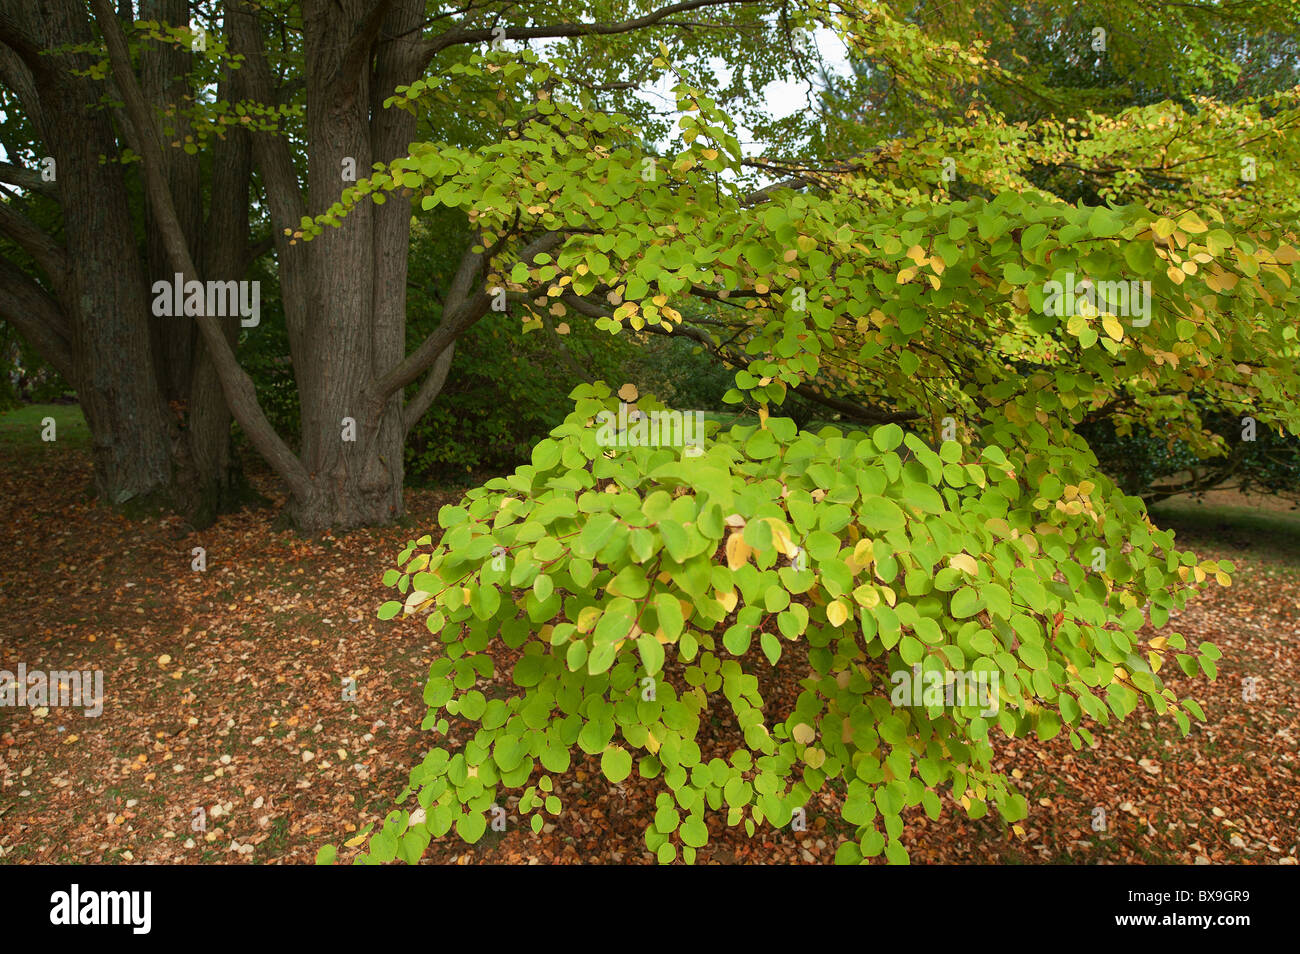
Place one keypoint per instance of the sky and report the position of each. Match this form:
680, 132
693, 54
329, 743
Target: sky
783, 98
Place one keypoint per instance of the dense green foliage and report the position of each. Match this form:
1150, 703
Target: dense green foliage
969, 533
639, 586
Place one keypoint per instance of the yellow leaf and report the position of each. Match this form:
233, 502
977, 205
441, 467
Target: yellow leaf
781, 537
738, 551
867, 596
837, 613
1113, 327
587, 618
727, 599
964, 562
803, 733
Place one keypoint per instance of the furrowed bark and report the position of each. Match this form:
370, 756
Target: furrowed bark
96, 277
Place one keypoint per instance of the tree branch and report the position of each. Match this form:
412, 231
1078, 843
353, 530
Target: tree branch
24, 46
274, 160
49, 255
357, 55
463, 308
429, 390
27, 179
459, 35
37, 316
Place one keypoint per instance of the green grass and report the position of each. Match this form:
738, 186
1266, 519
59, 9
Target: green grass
1269, 535
20, 429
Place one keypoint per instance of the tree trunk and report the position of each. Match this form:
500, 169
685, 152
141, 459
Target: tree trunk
209, 480
356, 287
103, 293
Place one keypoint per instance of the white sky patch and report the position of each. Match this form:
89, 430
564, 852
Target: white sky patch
781, 98
785, 98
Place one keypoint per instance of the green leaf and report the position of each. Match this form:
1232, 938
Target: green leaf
966, 602
887, 437
670, 615
771, 648
616, 763
471, 827
652, 653
694, 832
1032, 655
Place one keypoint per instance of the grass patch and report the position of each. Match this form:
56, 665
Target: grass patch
21, 428
1269, 535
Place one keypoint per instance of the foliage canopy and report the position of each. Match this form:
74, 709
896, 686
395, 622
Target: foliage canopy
967, 530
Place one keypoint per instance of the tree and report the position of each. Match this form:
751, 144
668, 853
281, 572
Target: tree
1080, 59
75, 275
344, 295
960, 566
1250, 458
